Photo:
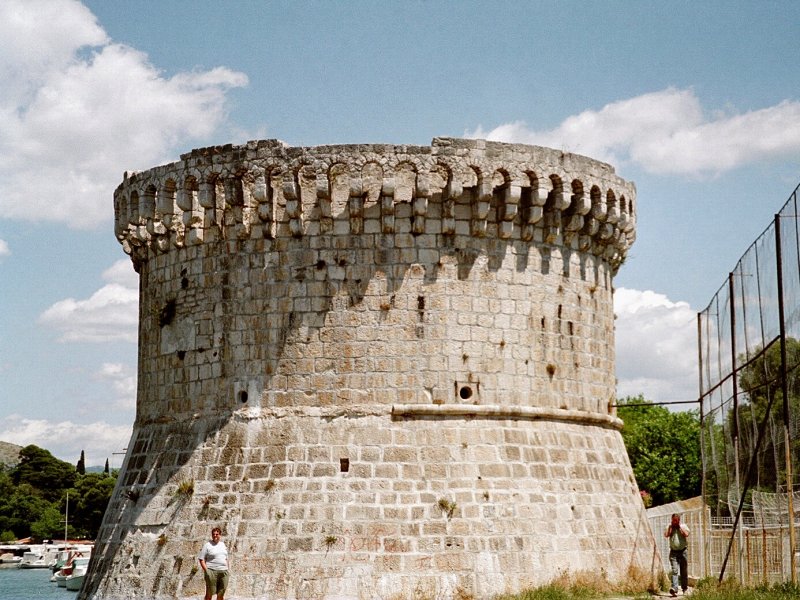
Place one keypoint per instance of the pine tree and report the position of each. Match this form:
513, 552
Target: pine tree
81, 466
107, 471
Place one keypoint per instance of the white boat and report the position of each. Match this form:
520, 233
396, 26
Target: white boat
33, 559
74, 581
10, 559
68, 563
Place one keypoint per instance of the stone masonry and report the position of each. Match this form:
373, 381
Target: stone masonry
384, 371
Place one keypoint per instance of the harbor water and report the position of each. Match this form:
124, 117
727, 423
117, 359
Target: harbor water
30, 584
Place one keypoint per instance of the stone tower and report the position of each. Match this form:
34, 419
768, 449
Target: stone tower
384, 371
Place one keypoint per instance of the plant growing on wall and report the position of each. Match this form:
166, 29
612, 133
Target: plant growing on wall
185, 488
447, 507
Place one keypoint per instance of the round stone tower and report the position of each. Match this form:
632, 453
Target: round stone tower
384, 371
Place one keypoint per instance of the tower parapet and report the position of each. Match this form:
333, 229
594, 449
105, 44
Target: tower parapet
455, 187
386, 370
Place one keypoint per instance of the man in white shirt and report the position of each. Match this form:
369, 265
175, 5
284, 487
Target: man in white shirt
213, 559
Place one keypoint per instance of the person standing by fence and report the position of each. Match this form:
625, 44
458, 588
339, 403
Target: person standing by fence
677, 533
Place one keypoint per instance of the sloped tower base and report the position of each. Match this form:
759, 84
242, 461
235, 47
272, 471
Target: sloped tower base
373, 505
383, 371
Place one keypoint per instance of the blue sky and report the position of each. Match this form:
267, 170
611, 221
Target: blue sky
696, 102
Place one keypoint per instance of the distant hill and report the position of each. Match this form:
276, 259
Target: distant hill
9, 454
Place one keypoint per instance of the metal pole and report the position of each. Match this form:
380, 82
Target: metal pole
704, 520
785, 392
66, 518
735, 424
749, 559
764, 569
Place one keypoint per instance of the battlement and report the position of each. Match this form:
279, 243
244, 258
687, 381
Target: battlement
455, 187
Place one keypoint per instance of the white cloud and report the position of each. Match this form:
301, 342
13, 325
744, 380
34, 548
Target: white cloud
72, 123
65, 439
110, 314
4, 249
656, 341
667, 132
123, 382
122, 273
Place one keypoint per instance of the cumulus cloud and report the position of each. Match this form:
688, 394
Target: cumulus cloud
65, 439
123, 382
4, 249
72, 123
110, 314
656, 341
668, 132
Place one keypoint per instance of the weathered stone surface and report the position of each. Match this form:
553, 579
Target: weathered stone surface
387, 371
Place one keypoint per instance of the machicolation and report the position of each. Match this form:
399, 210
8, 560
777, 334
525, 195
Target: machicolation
387, 372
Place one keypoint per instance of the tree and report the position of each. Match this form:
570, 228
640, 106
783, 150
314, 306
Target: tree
33, 497
7, 536
6, 484
81, 466
106, 469
760, 381
93, 492
23, 507
664, 449
44, 472
50, 524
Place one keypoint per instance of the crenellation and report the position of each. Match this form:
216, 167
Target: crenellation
304, 194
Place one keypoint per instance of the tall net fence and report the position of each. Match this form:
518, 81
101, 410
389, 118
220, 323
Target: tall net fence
749, 354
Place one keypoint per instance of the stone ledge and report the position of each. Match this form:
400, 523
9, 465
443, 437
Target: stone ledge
494, 411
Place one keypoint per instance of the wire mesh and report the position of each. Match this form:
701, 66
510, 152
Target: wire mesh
749, 336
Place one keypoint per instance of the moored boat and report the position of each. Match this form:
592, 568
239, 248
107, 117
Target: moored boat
33, 559
66, 563
74, 580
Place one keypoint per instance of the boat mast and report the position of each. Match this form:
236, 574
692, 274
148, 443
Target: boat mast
66, 518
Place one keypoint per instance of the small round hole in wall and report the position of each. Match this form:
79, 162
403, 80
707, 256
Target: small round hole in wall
465, 392
242, 396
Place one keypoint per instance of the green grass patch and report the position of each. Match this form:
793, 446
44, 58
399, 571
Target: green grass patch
710, 589
568, 588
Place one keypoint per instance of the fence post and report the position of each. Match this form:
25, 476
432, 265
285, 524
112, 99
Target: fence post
735, 420
785, 392
705, 516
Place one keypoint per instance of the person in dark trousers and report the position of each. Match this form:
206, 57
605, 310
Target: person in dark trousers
677, 533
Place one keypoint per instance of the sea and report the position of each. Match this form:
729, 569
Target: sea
30, 584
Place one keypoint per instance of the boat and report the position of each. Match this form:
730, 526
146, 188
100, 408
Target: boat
74, 580
33, 559
66, 562
8, 559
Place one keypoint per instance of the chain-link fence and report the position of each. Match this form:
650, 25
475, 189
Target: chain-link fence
758, 555
749, 353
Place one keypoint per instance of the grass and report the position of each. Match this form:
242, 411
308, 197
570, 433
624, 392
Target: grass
585, 585
447, 507
582, 588
185, 488
709, 589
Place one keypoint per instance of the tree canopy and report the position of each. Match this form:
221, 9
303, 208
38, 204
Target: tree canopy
664, 449
33, 497
760, 382
44, 472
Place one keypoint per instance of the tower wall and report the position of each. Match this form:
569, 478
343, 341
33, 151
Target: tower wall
384, 371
